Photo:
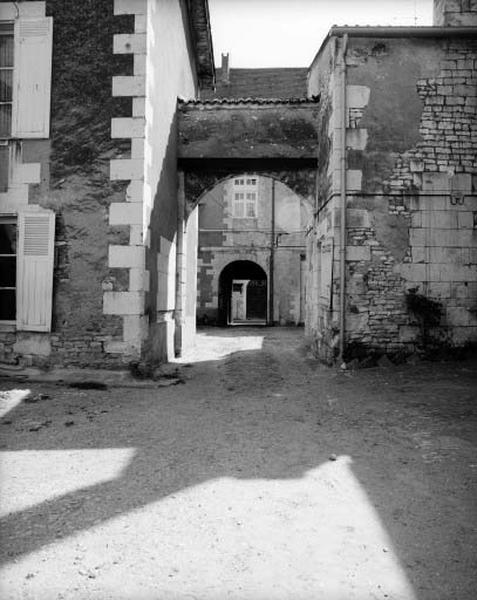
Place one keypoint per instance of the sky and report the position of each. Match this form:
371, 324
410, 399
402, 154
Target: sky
288, 33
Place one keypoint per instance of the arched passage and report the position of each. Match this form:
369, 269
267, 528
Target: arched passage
255, 218
242, 294
274, 143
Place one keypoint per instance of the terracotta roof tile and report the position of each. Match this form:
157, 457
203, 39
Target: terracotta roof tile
262, 101
260, 83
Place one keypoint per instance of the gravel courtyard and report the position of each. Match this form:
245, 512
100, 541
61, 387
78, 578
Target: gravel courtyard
261, 475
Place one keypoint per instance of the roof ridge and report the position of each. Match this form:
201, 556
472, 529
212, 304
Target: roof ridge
251, 100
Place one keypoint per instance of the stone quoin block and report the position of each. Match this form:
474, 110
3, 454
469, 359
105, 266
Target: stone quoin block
126, 168
129, 85
139, 107
126, 213
27, 173
357, 96
137, 148
127, 256
128, 127
357, 217
138, 280
123, 303
140, 23
357, 138
135, 235
353, 179
139, 61
135, 328
130, 7
129, 43
135, 191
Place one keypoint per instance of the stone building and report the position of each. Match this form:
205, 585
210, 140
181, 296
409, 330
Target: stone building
106, 154
88, 188
393, 252
251, 252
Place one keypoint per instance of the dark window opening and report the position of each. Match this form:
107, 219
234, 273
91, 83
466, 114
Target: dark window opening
6, 78
8, 268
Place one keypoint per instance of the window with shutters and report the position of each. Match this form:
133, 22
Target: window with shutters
26, 269
8, 268
36, 236
25, 76
6, 78
245, 197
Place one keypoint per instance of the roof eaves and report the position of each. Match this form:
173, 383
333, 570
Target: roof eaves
386, 31
237, 101
199, 19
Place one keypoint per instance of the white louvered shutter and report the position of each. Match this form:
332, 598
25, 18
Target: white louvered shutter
32, 73
36, 239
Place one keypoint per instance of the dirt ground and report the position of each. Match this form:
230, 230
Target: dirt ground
263, 476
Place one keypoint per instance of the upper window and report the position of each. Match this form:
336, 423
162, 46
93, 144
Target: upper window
245, 197
6, 78
25, 73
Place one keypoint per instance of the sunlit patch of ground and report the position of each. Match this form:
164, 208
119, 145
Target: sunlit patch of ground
313, 537
213, 346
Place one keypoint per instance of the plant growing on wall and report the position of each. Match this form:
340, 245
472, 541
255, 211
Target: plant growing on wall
428, 313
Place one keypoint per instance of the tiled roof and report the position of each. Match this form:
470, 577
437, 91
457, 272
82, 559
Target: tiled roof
260, 83
262, 101
202, 42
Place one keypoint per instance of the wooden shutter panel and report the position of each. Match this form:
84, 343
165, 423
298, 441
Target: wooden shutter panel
32, 72
35, 254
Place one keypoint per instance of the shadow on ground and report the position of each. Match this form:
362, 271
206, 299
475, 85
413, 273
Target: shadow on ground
268, 414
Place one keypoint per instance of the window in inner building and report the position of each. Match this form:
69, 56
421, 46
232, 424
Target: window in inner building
245, 197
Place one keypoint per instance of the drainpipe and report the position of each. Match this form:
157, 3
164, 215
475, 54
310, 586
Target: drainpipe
179, 291
342, 70
272, 256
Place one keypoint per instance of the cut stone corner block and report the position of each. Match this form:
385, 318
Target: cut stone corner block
123, 303
357, 96
354, 179
126, 213
357, 138
129, 43
135, 191
130, 7
122, 169
135, 329
128, 257
129, 85
127, 127
127, 349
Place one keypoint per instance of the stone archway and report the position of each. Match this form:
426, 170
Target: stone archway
268, 138
242, 295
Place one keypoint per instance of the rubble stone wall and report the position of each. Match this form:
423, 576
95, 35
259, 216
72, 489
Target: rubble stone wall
411, 197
